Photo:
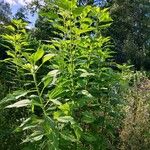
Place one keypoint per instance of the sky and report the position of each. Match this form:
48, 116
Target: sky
16, 4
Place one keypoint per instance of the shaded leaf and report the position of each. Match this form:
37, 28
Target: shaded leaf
88, 117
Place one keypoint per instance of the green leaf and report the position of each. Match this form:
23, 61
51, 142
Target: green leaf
81, 31
85, 12
27, 66
85, 73
59, 27
21, 95
89, 137
105, 16
48, 57
78, 131
57, 114
36, 136
87, 21
86, 93
14, 96
12, 54
103, 26
65, 108
66, 119
88, 117
10, 38
65, 4
77, 11
47, 80
21, 103
32, 121
55, 101
82, 102
50, 14
53, 73
68, 136
11, 28
55, 92
48, 124
35, 100
38, 55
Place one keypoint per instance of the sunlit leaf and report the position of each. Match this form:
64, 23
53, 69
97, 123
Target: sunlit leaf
13, 97
48, 57
38, 55
66, 119
86, 93
21, 103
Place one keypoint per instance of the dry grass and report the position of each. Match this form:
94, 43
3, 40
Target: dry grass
135, 134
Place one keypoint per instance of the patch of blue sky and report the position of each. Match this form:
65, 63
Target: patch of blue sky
17, 4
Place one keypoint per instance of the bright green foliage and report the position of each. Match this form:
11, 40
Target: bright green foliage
74, 103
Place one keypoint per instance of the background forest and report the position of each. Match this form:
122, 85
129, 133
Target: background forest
78, 79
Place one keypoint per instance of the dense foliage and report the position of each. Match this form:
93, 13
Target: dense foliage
61, 87
130, 31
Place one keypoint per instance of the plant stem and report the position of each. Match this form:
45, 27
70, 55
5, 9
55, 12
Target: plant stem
38, 91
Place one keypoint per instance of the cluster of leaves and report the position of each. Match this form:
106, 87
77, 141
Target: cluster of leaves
67, 84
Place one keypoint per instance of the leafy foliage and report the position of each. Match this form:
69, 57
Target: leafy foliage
72, 94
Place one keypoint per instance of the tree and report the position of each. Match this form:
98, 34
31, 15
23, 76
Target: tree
5, 12
21, 14
5, 17
130, 31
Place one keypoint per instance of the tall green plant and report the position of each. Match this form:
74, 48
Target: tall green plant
74, 103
